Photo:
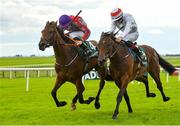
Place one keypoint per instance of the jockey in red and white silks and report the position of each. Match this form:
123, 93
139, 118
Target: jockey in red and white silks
126, 24
128, 30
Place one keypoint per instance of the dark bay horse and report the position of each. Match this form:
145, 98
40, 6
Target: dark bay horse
124, 68
69, 65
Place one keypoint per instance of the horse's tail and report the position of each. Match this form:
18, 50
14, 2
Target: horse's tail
167, 66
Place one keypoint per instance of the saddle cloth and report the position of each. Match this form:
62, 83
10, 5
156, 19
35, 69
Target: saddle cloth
94, 50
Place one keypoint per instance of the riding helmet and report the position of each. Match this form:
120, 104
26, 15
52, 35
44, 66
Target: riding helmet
64, 20
116, 14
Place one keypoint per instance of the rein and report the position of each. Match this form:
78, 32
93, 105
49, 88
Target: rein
117, 51
65, 44
68, 64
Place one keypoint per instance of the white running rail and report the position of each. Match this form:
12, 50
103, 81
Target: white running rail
26, 71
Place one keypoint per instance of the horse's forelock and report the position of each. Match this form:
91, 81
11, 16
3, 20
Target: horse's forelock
105, 35
47, 22
52, 23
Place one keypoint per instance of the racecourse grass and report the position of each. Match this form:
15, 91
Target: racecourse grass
19, 61
23, 61
19, 107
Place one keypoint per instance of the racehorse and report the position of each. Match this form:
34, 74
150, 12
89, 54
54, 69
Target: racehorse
124, 68
69, 65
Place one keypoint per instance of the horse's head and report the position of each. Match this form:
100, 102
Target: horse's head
48, 35
105, 47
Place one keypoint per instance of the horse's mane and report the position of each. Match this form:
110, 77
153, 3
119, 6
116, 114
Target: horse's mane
65, 38
61, 32
108, 34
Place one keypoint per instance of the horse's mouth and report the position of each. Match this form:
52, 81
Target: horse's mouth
101, 62
42, 47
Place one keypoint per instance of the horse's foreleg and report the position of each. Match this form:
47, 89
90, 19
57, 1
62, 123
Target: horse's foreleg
73, 104
126, 97
57, 85
118, 101
101, 86
80, 89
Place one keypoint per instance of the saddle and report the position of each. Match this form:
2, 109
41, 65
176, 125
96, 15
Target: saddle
93, 50
138, 52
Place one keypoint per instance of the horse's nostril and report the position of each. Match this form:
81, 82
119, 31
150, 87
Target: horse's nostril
101, 62
41, 46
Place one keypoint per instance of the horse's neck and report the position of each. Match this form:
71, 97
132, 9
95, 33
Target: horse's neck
120, 55
62, 52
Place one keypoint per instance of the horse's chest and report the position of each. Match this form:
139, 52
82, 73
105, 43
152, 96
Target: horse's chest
115, 72
70, 74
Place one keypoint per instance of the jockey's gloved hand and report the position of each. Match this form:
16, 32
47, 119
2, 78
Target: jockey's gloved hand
119, 39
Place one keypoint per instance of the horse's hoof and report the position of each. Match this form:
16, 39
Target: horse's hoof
97, 105
166, 99
130, 111
115, 116
62, 103
151, 95
73, 107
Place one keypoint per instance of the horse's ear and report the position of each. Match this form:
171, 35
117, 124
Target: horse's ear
56, 22
47, 22
102, 34
112, 34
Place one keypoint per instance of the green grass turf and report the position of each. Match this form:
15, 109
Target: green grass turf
175, 60
37, 106
16, 61
20, 61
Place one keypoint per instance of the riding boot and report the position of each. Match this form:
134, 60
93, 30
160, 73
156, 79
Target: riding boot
129, 44
135, 49
86, 49
139, 53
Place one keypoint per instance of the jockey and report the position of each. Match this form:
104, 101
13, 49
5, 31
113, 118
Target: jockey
77, 30
127, 25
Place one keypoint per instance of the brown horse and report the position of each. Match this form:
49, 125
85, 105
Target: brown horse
124, 68
69, 65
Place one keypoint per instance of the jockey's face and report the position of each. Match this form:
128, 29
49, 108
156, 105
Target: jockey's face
120, 20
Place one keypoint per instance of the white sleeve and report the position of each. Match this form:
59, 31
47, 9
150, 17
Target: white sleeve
113, 27
127, 29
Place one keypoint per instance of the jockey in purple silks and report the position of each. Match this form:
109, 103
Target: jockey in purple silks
77, 30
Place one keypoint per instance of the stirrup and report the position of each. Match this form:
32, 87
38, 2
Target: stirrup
88, 51
142, 57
